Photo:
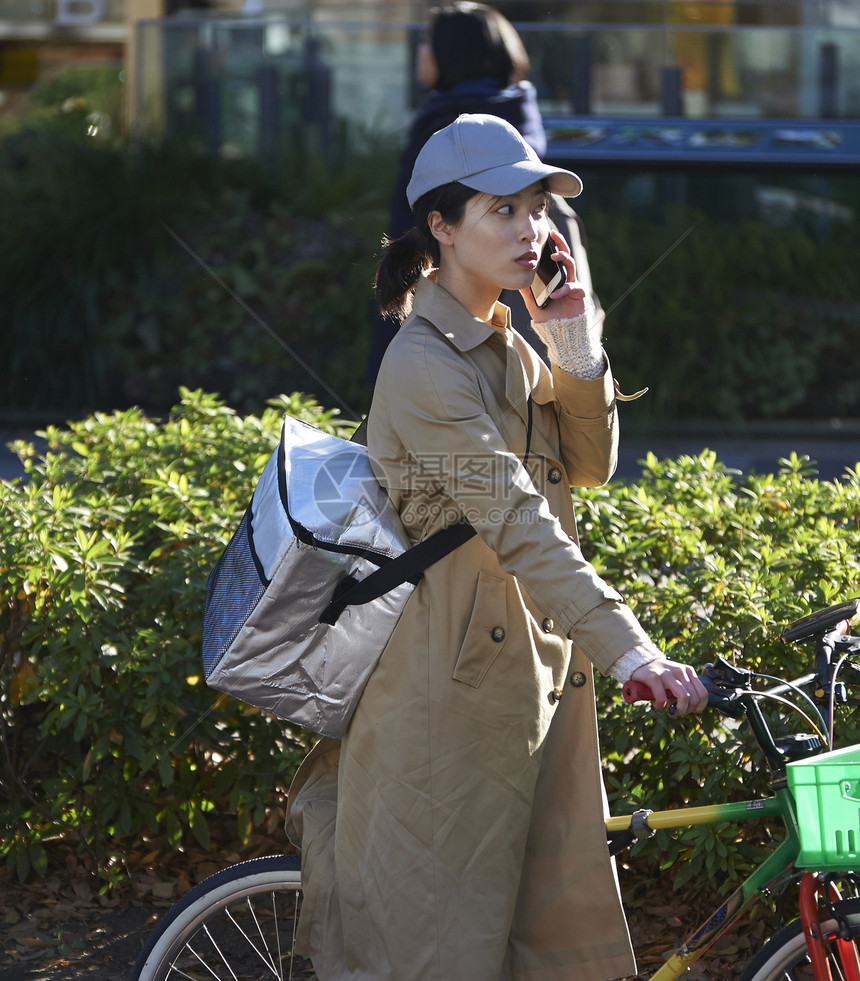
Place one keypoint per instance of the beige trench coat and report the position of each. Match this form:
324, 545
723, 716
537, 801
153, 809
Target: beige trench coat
456, 833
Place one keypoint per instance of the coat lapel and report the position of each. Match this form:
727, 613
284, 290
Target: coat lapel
517, 388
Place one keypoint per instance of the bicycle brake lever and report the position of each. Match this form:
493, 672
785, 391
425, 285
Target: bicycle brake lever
721, 675
725, 684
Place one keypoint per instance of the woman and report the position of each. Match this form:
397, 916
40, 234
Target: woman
471, 61
457, 831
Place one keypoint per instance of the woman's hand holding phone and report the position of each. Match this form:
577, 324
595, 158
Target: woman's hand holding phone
550, 275
562, 302
567, 325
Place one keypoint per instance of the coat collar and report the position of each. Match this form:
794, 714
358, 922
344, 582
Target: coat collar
436, 305
526, 374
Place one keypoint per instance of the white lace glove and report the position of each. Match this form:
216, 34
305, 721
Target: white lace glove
624, 667
574, 345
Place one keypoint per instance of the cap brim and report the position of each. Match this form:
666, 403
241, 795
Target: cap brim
510, 178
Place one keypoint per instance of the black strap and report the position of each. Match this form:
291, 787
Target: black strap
409, 565
528, 430
360, 435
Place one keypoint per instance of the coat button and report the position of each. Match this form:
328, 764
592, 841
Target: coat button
577, 679
548, 624
498, 634
555, 695
554, 476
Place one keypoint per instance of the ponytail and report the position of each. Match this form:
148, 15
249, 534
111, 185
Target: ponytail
405, 259
403, 262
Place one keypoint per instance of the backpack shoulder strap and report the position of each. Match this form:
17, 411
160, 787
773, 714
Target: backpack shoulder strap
407, 567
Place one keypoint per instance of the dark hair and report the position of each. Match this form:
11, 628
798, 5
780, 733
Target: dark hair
405, 259
471, 40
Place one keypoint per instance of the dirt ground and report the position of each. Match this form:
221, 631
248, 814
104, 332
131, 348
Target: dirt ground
60, 929
65, 933
100, 946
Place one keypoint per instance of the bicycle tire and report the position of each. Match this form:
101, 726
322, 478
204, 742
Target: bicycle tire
784, 957
237, 924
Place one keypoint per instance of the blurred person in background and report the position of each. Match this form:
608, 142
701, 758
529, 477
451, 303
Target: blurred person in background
473, 61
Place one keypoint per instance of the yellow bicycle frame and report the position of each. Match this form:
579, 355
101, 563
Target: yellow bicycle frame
775, 865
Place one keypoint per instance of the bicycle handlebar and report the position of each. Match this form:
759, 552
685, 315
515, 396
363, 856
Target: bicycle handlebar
723, 682
635, 691
730, 688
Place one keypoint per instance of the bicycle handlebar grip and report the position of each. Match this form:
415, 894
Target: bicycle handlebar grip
635, 691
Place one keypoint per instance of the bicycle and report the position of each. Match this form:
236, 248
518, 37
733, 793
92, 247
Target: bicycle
241, 922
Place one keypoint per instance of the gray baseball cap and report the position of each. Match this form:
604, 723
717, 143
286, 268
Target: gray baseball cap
487, 154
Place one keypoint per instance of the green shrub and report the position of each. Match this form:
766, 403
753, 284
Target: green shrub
738, 317
744, 319
78, 100
108, 730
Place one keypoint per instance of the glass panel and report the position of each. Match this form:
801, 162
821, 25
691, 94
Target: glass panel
256, 86
256, 83
767, 72
62, 12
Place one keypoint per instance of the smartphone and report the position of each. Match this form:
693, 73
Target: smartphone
548, 276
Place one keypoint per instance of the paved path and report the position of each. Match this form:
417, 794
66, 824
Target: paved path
760, 455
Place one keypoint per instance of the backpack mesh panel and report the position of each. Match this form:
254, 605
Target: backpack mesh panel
235, 586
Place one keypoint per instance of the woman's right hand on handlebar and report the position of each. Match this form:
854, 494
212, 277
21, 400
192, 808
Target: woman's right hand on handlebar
672, 682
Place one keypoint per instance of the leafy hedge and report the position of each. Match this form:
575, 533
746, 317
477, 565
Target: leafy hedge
107, 727
730, 313
128, 271
108, 730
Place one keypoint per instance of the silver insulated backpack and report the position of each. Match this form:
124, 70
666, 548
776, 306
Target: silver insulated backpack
308, 591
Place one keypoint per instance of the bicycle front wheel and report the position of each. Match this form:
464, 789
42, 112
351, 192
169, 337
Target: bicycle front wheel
784, 957
239, 924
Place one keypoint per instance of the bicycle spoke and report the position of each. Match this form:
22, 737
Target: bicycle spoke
266, 957
259, 936
212, 941
190, 977
240, 926
202, 962
278, 934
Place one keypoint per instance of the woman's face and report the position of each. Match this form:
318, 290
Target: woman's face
496, 246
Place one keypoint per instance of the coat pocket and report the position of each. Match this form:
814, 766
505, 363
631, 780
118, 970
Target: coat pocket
486, 632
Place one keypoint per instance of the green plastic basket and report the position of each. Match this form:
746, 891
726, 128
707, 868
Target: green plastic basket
826, 789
